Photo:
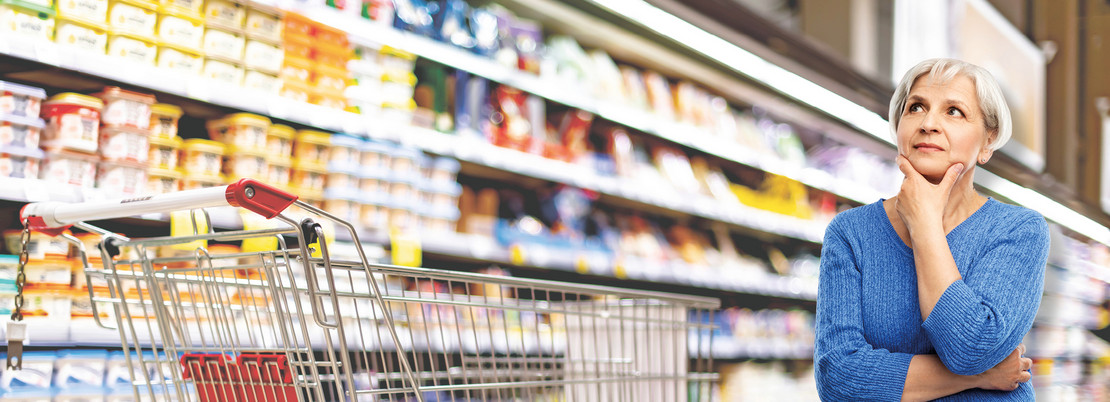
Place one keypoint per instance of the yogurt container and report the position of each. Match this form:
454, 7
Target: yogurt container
181, 30
136, 17
263, 24
190, 7
343, 203
124, 144
374, 183
81, 369
138, 48
20, 131
279, 172
224, 13
203, 157
262, 56
374, 212
297, 47
295, 90
68, 167
244, 163
261, 81
404, 161
20, 100
52, 270
223, 43
444, 170
223, 70
121, 178
163, 152
93, 12
343, 176
312, 146
375, 156
345, 150
328, 100
279, 141
40, 246
182, 60
162, 181
82, 35
243, 130
308, 175
20, 162
26, 20
163, 120
72, 122
297, 24
125, 108
296, 69
193, 181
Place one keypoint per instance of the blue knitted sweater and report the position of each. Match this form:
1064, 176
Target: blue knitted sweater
869, 320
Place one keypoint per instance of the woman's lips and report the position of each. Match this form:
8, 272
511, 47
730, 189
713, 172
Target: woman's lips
928, 148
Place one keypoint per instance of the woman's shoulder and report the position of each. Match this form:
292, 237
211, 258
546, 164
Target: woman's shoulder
859, 218
1014, 216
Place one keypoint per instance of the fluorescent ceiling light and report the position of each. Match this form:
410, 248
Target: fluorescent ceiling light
807, 92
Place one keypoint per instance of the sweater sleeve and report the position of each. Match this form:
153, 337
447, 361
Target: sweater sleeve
980, 319
847, 367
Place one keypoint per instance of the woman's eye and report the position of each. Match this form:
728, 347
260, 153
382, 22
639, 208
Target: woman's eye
955, 112
916, 107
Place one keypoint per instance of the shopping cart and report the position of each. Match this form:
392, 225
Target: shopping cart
296, 324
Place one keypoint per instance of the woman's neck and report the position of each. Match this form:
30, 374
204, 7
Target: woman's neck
963, 201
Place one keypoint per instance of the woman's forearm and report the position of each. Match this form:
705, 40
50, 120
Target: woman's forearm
929, 379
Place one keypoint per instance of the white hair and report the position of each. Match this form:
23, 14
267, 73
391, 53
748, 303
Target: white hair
996, 114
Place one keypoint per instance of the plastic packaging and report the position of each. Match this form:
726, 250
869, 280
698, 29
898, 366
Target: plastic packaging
162, 181
82, 35
375, 156
308, 175
444, 170
223, 70
72, 122
329, 79
20, 162
224, 13
26, 20
163, 152
295, 90
20, 131
343, 203
279, 140
181, 30
279, 172
263, 24
296, 69
181, 60
190, 7
244, 163
374, 183
342, 176
374, 212
121, 178
68, 167
345, 150
163, 120
93, 12
124, 144
261, 81
20, 100
203, 157
125, 108
328, 100
223, 43
37, 373
312, 146
133, 47
193, 182
80, 368
243, 130
39, 247
263, 56
133, 16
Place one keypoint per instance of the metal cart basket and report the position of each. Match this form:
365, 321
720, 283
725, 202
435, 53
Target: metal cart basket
295, 324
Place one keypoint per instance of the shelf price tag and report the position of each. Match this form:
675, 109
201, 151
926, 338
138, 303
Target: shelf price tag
516, 254
405, 247
581, 265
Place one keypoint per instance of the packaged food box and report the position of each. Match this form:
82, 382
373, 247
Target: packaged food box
163, 152
312, 146
136, 17
162, 181
40, 245
193, 181
121, 179
223, 70
124, 144
224, 13
345, 150
26, 20
20, 131
20, 162
263, 56
244, 163
82, 35
180, 29
279, 141
163, 120
203, 157
92, 12
308, 175
20, 100
279, 172
191, 7
261, 81
223, 43
243, 130
138, 48
186, 61
263, 23
124, 108
69, 167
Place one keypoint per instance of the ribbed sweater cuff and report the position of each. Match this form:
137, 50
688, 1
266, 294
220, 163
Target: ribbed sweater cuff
949, 325
889, 380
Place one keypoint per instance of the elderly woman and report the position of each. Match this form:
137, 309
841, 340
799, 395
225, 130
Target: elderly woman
927, 295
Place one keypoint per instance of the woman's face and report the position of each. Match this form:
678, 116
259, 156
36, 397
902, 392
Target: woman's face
942, 125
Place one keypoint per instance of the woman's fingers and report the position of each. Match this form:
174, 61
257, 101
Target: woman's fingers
1026, 363
1025, 376
1021, 347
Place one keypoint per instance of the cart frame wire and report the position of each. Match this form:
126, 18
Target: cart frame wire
200, 323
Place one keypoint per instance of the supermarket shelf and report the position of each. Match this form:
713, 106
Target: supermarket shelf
364, 32
451, 145
764, 348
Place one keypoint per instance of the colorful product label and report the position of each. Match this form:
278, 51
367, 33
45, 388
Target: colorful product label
19, 167
18, 134
19, 105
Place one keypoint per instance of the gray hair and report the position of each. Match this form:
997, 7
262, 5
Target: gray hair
996, 114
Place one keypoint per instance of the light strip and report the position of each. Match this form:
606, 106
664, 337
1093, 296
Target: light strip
805, 91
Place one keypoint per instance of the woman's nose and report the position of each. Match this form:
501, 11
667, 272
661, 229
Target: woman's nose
930, 123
